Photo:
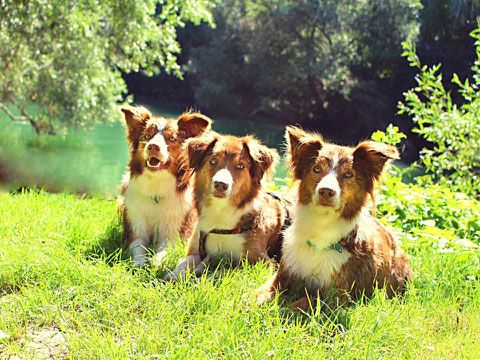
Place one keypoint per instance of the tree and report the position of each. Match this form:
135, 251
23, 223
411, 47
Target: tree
301, 54
66, 57
444, 38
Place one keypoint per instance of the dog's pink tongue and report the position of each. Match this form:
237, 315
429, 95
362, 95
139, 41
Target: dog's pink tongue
164, 166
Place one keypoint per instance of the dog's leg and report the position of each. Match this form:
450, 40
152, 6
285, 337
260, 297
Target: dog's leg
138, 250
282, 281
137, 236
161, 245
188, 265
302, 304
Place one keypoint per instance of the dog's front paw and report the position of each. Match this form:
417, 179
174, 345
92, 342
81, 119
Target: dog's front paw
139, 262
157, 260
261, 296
302, 304
172, 276
185, 268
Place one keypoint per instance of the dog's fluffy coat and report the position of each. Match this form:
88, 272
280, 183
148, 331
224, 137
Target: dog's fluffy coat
334, 185
157, 200
229, 192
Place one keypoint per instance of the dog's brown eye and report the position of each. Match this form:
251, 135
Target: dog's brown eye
213, 161
171, 139
317, 169
240, 167
348, 174
147, 137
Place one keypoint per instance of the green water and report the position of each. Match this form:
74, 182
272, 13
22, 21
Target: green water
90, 161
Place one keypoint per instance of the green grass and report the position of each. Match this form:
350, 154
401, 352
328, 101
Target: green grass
60, 268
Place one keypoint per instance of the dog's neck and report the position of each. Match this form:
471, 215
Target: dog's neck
321, 226
160, 185
217, 213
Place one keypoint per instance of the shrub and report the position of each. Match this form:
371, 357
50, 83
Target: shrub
453, 130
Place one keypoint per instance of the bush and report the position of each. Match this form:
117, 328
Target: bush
453, 130
427, 214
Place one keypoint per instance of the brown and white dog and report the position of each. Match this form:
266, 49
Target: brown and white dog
334, 243
157, 200
238, 217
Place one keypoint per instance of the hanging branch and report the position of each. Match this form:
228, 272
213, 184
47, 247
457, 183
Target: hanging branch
23, 117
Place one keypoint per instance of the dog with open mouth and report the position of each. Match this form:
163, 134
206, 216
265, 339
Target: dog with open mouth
157, 199
335, 243
238, 217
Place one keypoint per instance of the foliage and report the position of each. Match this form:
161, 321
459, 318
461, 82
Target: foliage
299, 54
429, 215
67, 56
59, 269
453, 130
391, 135
448, 21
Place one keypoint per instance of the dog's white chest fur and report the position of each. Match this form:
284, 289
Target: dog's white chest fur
315, 263
230, 245
221, 214
163, 217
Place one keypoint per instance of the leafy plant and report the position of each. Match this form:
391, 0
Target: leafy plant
427, 214
453, 130
431, 215
66, 56
391, 135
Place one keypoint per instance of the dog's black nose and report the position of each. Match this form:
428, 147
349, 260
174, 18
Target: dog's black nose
326, 193
153, 147
220, 186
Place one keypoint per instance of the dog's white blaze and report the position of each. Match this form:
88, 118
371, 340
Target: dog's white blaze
335, 161
322, 227
158, 140
329, 181
224, 176
222, 214
161, 221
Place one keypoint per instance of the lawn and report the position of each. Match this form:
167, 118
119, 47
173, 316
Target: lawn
66, 291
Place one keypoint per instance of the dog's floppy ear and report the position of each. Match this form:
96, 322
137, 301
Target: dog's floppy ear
192, 124
197, 149
371, 158
302, 149
264, 159
136, 118
190, 160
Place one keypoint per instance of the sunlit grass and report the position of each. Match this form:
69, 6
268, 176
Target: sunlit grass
61, 266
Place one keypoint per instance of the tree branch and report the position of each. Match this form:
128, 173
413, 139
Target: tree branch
24, 117
11, 116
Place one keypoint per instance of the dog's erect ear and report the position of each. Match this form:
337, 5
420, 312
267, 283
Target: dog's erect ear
302, 149
197, 149
264, 159
193, 124
371, 158
136, 118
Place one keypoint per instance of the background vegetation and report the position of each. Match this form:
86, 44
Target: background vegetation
334, 66
66, 289
66, 57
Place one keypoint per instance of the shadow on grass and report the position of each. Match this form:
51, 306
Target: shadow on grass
110, 246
